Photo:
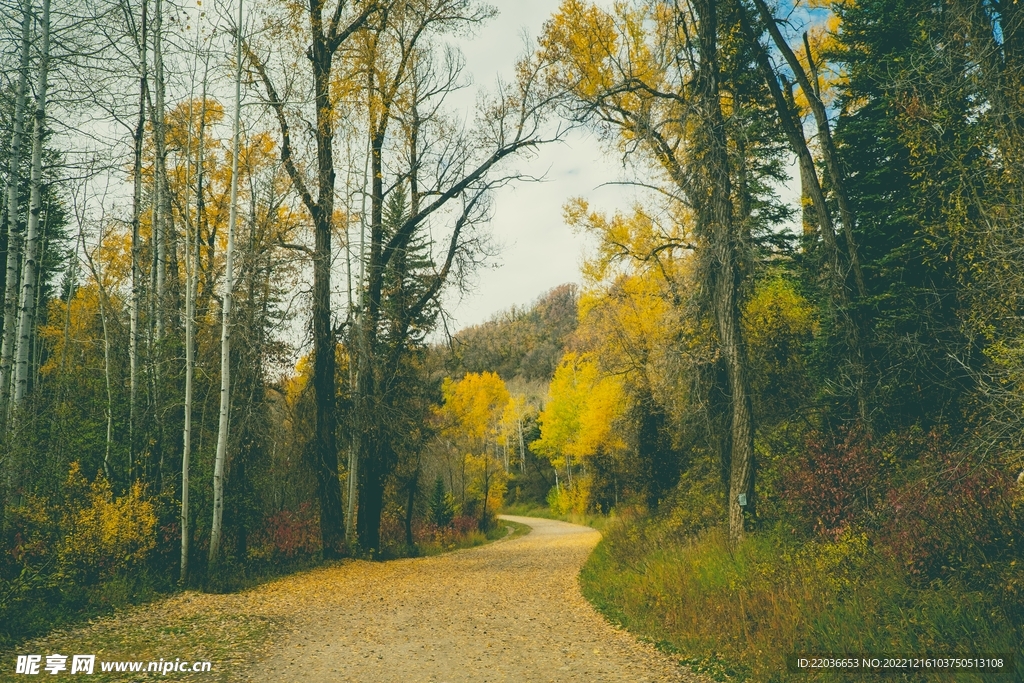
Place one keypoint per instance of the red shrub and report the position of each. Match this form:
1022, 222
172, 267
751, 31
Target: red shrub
463, 525
831, 480
288, 533
954, 516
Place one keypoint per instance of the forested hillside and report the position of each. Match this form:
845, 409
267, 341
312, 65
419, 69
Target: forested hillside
230, 234
523, 342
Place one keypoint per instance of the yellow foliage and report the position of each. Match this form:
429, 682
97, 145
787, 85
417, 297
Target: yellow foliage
776, 312
581, 40
632, 243
473, 408
476, 416
580, 416
821, 36
778, 322
574, 498
104, 534
486, 467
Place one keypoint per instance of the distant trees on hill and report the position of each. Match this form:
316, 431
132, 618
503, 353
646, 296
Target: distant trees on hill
524, 342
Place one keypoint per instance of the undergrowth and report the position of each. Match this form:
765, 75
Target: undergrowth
735, 614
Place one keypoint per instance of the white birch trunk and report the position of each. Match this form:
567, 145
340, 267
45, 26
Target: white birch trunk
192, 285
13, 234
160, 196
225, 334
97, 274
136, 307
522, 446
26, 314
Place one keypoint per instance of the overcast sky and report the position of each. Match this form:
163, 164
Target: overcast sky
539, 252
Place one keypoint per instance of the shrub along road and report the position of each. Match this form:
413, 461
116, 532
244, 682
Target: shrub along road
508, 611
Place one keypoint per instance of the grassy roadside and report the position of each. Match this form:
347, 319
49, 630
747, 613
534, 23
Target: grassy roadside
735, 614
515, 529
229, 630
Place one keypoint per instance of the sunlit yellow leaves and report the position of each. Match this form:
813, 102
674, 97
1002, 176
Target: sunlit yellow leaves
114, 257
517, 411
831, 78
477, 416
629, 242
473, 406
581, 41
625, 321
578, 420
101, 531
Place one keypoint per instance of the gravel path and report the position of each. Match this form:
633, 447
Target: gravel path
507, 611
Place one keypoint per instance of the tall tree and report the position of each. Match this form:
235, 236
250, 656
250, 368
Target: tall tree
220, 463
845, 284
449, 174
14, 235
135, 312
33, 247
329, 30
662, 89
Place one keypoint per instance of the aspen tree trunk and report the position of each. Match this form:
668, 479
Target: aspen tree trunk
14, 237
110, 392
191, 285
26, 316
225, 329
161, 220
104, 303
159, 172
36, 349
522, 445
136, 305
3, 233
487, 491
353, 377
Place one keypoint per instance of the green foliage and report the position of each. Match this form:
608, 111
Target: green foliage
910, 139
442, 504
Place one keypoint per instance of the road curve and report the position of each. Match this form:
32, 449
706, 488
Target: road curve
508, 611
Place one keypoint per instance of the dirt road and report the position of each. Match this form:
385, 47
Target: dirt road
508, 611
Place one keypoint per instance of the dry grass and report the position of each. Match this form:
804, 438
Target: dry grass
737, 614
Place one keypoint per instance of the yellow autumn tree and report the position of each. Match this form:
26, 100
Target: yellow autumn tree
471, 427
579, 421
